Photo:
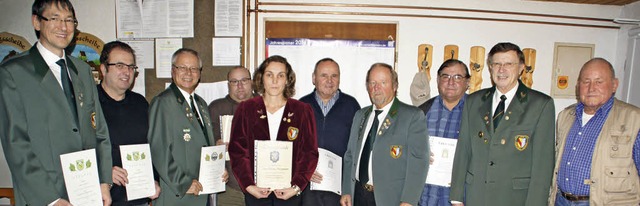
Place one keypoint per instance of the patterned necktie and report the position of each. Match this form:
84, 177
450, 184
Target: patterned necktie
497, 115
366, 150
195, 113
67, 87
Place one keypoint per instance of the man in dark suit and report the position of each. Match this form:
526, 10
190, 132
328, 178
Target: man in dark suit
179, 126
385, 166
505, 148
49, 106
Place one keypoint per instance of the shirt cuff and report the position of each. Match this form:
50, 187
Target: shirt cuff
455, 202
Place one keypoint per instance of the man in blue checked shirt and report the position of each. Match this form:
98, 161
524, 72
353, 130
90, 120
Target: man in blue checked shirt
443, 118
597, 146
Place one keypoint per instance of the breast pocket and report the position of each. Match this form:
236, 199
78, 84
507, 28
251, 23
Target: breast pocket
620, 146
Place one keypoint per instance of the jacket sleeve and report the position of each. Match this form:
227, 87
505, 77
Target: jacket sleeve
543, 146
348, 160
103, 142
462, 156
306, 157
417, 167
27, 171
239, 151
162, 146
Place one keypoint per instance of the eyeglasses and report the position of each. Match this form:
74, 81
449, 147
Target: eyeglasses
447, 77
242, 81
67, 21
184, 69
122, 66
507, 65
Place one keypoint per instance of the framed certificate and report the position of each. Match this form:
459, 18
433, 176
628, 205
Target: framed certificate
273, 161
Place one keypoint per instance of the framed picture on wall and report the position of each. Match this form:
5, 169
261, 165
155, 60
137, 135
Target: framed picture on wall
567, 60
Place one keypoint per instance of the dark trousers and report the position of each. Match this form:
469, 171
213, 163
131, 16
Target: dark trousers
272, 200
319, 198
362, 197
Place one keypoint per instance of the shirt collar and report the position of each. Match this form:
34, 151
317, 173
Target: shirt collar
333, 98
604, 109
460, 104
510, 94
49, 57
186, 95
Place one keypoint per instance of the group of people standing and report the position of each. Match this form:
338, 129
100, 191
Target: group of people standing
508, 152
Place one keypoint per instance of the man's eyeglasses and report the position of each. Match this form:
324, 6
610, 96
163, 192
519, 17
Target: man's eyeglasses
447, 77
242, 81
184, 69
122, 66
67, 21
507, 65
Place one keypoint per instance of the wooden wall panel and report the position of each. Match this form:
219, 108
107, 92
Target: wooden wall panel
330, 30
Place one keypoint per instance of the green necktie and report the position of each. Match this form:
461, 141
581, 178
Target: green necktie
67, 87
366, 150
497, 115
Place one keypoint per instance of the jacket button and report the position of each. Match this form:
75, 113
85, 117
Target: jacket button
75, 130
491, 163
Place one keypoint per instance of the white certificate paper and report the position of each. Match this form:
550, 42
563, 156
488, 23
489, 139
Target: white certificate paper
330, 167
273, 161
80, 171
443, 150
136, 159
226, 51
212, 169
225, 129
164, 50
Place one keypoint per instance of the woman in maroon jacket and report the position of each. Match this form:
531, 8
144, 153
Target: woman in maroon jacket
273, 116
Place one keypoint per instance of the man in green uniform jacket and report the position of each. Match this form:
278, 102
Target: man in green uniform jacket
49, 106
505, 150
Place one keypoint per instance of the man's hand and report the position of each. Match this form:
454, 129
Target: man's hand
119, 176
431, 158
457, 204
220, 142
345, 200
195, 188
316, 177
258, 192
225, 176
404, 204
62, 202
158, 190
106, 194
285, 194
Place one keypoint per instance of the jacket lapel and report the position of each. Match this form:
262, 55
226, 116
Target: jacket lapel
183, 105
389, 119
261, 124
48, 82
487, 117
288, 117
78, 85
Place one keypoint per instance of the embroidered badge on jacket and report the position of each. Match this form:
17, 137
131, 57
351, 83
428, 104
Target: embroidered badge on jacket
396, 151
521, 142
292, 133
93, 120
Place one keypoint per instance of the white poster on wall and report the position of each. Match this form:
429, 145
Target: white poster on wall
154, 19
354, 57
227, 18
